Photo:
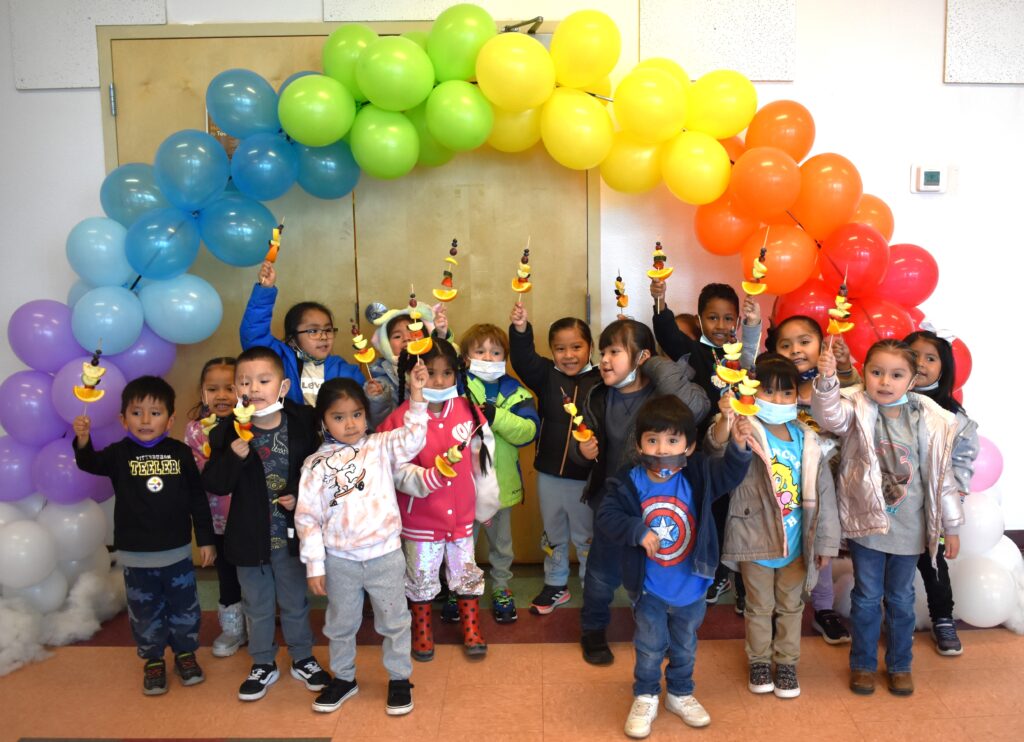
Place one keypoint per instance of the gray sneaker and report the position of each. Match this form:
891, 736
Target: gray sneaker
760, 678
786, 685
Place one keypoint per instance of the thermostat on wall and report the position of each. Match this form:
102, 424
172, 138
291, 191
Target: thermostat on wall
924, 179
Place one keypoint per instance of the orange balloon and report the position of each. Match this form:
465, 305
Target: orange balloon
792, 257
734, 147
784, 124
765, 182
830, 189
720, 229
874, 212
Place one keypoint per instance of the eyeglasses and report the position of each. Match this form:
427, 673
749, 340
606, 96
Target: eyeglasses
313, 332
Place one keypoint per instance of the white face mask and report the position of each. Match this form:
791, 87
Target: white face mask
440, 395
487, 371
631, 376
277, 406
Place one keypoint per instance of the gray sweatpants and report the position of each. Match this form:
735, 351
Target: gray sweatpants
282, 581
565, 518
499, 547
383, 579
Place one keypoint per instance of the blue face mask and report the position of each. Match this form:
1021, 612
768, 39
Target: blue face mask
897, 403
440, 395
146, 444
663, 466
775, 414
809, 375
927, 387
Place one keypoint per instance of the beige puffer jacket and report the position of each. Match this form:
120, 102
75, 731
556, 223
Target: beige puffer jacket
851, 415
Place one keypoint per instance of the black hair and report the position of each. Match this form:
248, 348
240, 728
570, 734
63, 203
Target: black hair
943, 393
666, 413
443, 349
293, 317
148, 387
632, 335
394, 321
198, 409
339, 388
776, 373
717, 291
261, 353
774, 330
570, 323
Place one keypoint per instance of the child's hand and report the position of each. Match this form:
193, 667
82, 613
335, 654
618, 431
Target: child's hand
286, 501
751, 311
952, 546
441, 320
621, 316
207, 555
81, 427
651, 544
240, 448
842, 353
742, 431
518, 317
317, 585
589, 448
268, 276
723, 425
657, 289
373, 388
821, 561
417, 380
827, 363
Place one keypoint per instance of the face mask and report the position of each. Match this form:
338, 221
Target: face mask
928, 388
487, 370
775, 414
440, 395
270, 409
147, 444
631, 376
305, 357
898, 402
663, 466
328, 438
809, 375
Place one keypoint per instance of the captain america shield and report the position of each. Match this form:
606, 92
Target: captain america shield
673, 524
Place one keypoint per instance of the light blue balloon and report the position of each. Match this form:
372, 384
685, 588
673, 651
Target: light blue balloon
328, 172
264, 166
237, 229
182, 310
191, 169
293, 77
163, 244
242, 103
78, 289
131, 191
108, 317
96, 251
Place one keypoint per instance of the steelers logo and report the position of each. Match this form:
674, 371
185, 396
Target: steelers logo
154, 484
673, 524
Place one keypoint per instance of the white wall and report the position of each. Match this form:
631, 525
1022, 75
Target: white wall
871, 76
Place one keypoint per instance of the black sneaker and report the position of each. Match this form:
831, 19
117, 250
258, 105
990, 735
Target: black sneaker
311, 674
760, 680
399, 697
154, 678
450, 612
549, 598
830, 626
741, 604
503, 604
335, 693
260, 678
786, 685
946, 641
595, 647
718, 588
187, 669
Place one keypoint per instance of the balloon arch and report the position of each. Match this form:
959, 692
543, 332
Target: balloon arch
384, 105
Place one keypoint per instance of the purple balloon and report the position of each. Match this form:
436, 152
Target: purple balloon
26, 408
40, 335
103, 437
15, 469
150, 355
59, 479
102, 412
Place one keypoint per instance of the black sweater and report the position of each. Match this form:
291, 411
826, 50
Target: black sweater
158, 495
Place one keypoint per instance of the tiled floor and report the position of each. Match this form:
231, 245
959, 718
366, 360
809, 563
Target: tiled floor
526, 692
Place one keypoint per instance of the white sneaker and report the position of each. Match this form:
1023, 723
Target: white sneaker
689, 709
643, 712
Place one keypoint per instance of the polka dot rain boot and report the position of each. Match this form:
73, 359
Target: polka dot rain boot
422, 631
469, 612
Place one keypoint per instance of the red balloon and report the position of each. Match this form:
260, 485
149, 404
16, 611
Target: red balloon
791, 259
830, 189
784, 124
911, 277
857, 254
917, 315
958, 395
812, 299
765, 182
720, 229
876, 319
964, 363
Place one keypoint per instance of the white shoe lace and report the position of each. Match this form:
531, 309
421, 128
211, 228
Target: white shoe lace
256, 673
642, 707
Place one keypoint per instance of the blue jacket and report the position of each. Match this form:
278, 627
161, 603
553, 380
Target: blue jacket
622, 521
255, 330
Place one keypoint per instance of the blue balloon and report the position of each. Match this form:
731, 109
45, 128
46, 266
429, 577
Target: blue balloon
163, 244
183, 310
242, 103
78, 289
236, 229
96, 252
328, 172
131, 191
191, 169
264, 166
293, 77
108, 317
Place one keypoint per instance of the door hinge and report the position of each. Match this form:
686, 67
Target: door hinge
113, 100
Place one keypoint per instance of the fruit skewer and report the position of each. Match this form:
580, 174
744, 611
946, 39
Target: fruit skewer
274, 246
419, 342
621, 297
659, 272
92, 375
365, 353
243, 412
579, 429
447, 292
521, 283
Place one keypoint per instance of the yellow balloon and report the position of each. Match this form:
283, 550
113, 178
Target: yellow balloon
666, 65
631, 166
602, 88
515, 72
585, 47
695, 167
514, 131
721, 103
576, 129
651, 105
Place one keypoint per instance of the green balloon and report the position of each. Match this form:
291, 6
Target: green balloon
459, 116
432, 152
419, 37
384, 143
395, 74
316, 110
341, 52
455, 40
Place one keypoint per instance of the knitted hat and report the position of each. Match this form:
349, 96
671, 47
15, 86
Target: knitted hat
380, 316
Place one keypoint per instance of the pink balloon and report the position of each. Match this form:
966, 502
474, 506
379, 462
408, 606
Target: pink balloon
102, 412
911, 277
150, 355
987, 467
58, 478
15, 469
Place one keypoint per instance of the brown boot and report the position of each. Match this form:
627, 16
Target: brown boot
862, 682
901, 683
422, 631
469, 614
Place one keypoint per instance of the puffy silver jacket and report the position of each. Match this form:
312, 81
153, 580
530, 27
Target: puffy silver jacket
851, 415
965, 451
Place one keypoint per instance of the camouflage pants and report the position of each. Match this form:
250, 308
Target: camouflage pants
163, 608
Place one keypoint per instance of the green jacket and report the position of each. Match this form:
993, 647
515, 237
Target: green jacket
515, 424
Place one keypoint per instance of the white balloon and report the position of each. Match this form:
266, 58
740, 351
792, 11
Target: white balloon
984, 591
77, 529
98, 562
1005, 553
32, 504
27, 554
45, 596
983, 524
843, 588
9, 513
107, 506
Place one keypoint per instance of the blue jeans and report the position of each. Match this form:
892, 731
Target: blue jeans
877, 574
604, 575
665, 629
